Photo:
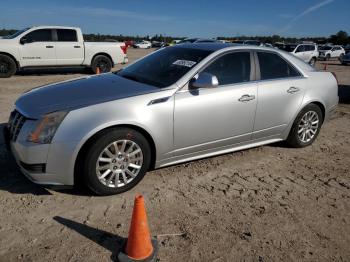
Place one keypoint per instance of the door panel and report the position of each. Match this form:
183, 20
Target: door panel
278, 102
68, 50
209, 118
37, 48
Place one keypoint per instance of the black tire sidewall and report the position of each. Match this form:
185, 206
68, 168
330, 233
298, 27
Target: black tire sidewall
96, 61
12, 66
293, 138
104, 139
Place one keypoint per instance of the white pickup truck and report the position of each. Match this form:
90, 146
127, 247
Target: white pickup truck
57, 46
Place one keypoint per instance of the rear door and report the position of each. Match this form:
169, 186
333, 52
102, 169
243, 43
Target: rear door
37, 48
280, 92
211, 118
69, 50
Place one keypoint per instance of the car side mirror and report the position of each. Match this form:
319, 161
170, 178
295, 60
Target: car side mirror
204, 80
23, 41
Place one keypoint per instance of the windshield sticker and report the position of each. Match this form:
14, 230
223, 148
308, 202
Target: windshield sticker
186, 63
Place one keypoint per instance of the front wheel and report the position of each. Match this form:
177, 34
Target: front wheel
116, 161
7, 66
306, 126
102, 62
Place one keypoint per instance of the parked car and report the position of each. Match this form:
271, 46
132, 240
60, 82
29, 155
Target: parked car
347, 48
328, 52
157, 44
306, 52
345, 59
196, 40
57, 46
178, 104
143, 44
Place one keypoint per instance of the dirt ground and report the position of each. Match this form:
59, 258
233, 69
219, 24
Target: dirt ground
270, 203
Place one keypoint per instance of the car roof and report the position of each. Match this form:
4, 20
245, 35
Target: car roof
216, 46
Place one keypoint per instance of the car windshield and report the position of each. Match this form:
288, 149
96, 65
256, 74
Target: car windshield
15, 34
164, 67
287, 48
325, 48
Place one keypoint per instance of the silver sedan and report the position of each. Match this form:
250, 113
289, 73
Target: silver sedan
177, 104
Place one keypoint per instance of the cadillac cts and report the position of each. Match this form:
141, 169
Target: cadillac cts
178, 104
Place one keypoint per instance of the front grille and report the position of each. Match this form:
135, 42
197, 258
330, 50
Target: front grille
15, 124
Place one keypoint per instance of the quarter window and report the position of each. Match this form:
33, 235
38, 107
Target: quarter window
40, 35
67, 35
231, 68
272, 66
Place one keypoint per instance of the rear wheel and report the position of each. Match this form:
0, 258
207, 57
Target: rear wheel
116, 161
306, 126
7, 66
102, 62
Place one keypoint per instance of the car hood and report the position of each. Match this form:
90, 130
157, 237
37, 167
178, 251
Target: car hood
79, 93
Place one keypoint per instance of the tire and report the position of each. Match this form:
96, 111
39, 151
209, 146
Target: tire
107, 185
328, 57
312, 62
103, 62
8, 66
295, 136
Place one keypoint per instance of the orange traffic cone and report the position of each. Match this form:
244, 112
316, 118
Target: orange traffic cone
98, 71
139, 245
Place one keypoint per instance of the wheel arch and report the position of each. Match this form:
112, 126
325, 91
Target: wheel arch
83, 149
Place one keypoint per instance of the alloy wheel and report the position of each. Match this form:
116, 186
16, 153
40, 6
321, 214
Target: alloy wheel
308, 126
119, 163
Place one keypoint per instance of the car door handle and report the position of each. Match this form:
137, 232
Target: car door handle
49, 46
246, 98
77, 46
293, 90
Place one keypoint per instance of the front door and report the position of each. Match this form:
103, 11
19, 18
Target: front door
212, 118
38, 49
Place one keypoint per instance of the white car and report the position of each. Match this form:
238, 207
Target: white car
57, 46
306, 52
143, 44
328, 52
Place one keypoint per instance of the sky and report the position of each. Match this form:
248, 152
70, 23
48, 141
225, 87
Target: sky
196, 18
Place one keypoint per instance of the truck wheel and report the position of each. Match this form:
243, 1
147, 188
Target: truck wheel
116, 161
7, 66
103, 63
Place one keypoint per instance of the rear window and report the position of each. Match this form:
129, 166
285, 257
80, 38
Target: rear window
272, 66
66, 35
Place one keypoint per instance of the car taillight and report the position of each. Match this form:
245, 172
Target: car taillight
335, 76
124, 48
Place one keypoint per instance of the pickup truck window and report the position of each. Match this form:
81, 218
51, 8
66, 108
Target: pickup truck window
40, 35
67, 35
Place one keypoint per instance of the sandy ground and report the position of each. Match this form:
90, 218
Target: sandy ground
271, 203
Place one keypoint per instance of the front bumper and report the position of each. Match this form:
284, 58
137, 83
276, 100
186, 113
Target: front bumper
38, 164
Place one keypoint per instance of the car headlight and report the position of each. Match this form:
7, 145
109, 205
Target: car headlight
46, 128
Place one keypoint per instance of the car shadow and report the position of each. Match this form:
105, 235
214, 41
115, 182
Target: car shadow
111, 242
54, 71
344, 94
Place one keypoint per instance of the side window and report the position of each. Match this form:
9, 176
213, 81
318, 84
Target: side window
67, 35
300, 48
273, 66
40, 35
311, 48
231, 68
